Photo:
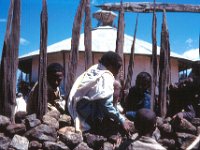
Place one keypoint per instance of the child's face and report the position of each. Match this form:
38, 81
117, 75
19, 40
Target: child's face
54, 79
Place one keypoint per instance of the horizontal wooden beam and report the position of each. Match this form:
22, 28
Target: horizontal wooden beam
145, 7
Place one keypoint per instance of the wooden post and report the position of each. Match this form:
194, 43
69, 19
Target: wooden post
41, 108
88, 36
164, 69
120, 43
9, 61
73, 63
131, 60
154, 62
149, 7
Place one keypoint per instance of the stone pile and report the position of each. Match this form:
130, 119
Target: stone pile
177, 134
56, 132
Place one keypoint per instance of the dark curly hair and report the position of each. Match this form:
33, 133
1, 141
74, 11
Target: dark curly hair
54, 67
111, 59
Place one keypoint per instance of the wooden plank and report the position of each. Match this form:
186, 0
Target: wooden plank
145, 7
88, 36
41, 107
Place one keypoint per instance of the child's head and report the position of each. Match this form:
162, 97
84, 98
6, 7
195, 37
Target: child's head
112, 61
143, 80
145, 121
54, 75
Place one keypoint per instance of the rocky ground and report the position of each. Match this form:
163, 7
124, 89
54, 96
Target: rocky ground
55, 132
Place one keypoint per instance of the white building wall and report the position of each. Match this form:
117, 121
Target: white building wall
141, 63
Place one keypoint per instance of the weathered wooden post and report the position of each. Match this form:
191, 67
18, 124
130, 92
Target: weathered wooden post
9, 61
154, 61
164, 69
88, 36
120, 42
73, 62
131, 60
41, 108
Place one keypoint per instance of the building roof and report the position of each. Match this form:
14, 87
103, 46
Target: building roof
103, 39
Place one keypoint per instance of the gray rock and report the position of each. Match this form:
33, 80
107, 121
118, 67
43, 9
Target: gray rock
196, 121
54, 146
42, 133
52, 122
159, 121
165, 130
4, 121
184, 139
4, 142
156, 134
94, 141
198, 130
31, 117
71, 139
34, 145
31, 121
53, 113
65, 120
168, 143
19, 143
185, 126
108, 146
66, 129
82, 146
12, 129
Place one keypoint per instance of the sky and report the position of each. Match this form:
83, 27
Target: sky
184, 28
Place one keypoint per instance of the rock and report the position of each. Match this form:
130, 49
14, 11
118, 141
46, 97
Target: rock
53, 113
64, 120
94, 141
71, 139
168, 143
184, 126
198, 130
31, 117
165, 130
156, 134
167, 120
66, 129
108, 146
19, 143
184, 139
195, 121
52, 122
82, 146
115, 140
33, 145
12, 129
54, 146
4, 142
20, 116
42, 133
4, 121
159, 121
31, 121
